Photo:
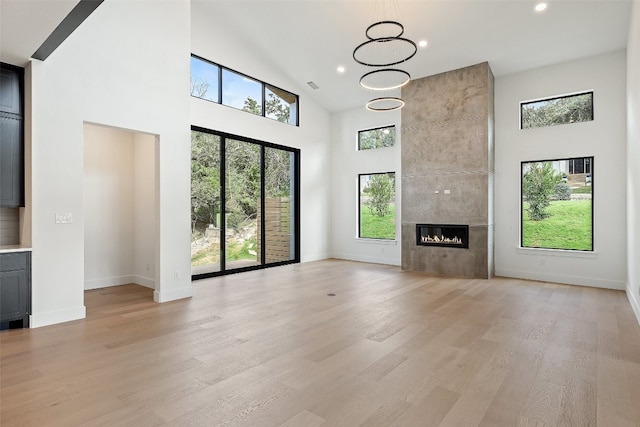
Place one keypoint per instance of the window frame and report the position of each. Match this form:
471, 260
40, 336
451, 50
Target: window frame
521, 204
358, 148
553, 98
263, 84
359, 210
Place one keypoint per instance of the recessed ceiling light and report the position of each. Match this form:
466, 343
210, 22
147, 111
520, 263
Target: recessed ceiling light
540, 7
422, 43
340, 69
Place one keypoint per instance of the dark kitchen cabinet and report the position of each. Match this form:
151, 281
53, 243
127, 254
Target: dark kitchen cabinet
11, 79
11, 163
11, 136
15, 289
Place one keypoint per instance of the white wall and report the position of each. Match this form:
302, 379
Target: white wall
214, 40
126, 66
604, 138
633, 163
119, 207
145, 239
108, 206
347, 162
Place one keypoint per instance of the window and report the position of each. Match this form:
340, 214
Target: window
280, 105
557, 204
377, 138
218, 84
241, 92
377, 206
244, 204
557, 111
204, 79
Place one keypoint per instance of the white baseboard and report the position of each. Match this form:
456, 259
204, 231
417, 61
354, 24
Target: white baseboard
106, 282
373, 260
173, 294
144, 281
311, 258
38, 320
593, 282
634, 300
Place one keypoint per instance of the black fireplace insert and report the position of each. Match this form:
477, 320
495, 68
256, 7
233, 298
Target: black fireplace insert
447, 235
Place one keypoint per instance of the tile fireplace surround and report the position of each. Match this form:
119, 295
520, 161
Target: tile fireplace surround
447, 169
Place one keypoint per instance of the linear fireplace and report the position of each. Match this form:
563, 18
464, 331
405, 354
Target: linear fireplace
447, 235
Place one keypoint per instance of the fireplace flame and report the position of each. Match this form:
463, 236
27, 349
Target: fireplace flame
441, 239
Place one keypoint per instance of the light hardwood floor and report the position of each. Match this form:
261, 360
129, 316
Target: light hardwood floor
271, 348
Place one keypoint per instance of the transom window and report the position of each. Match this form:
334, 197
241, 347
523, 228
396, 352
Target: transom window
377, 138
558, 110
215, 83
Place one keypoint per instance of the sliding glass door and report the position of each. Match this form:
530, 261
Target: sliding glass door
244, 204
279, 212
206, 203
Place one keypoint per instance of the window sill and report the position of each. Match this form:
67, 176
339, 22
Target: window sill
557, 252
377, 241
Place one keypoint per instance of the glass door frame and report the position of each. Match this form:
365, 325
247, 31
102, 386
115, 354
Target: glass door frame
295, 193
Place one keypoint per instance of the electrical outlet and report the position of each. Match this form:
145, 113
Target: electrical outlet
65, 218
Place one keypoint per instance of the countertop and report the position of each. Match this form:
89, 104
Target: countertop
5, 249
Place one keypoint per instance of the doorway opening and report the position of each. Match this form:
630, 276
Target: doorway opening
120, 191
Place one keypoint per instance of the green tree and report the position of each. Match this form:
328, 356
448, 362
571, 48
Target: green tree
377, 138
205, 179
275, 108
381, 192
557, 111
539, 182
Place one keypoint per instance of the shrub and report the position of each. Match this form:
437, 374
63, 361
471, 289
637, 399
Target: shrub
381, 190
563, 191
538, 184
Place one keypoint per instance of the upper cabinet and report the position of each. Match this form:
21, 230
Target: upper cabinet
11, 136
11, 89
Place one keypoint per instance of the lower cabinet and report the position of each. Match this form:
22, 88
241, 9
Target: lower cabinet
15, 289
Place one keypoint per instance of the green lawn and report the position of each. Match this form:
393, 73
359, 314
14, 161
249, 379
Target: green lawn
568, 227
378, 227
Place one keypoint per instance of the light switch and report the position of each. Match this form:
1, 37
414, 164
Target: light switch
447, 191
65, 218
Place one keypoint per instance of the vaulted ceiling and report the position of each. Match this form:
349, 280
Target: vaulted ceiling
308, 39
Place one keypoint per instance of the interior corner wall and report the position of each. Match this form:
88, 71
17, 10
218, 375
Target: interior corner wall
131, 76
213, 39
145, 219
604, 138
347, 162
108, 206
633, 163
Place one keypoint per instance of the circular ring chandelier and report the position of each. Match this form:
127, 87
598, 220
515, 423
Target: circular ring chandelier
392, 78
371, 44
383, 24
384, 47
387, 103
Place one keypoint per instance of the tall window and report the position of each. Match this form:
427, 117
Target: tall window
557, 111
219, 84
377, 206
244, 204
557, 204
377, 138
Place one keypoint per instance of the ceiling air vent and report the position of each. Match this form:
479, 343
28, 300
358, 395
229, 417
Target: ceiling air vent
313, 86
